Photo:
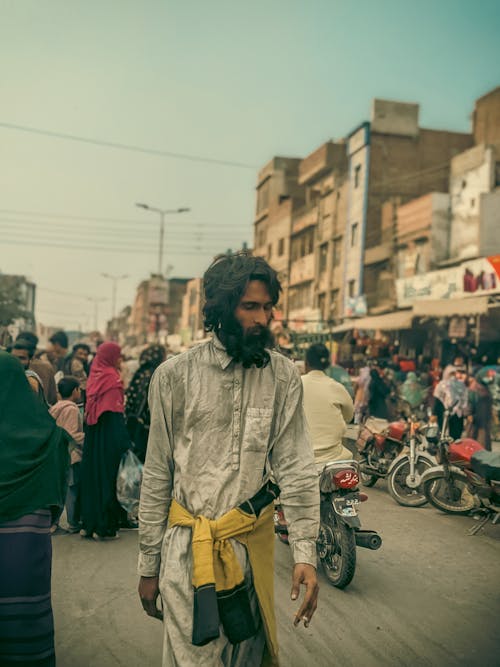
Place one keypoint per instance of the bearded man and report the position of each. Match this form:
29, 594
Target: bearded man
223, 415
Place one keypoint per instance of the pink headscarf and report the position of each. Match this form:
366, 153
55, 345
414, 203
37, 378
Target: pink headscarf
104, 386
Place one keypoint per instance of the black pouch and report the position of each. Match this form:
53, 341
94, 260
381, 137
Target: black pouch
235, 614
205, 615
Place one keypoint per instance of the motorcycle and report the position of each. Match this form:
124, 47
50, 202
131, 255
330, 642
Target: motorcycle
396, 451
466, 479
340, 527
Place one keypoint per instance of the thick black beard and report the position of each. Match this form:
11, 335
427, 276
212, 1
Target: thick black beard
247, 347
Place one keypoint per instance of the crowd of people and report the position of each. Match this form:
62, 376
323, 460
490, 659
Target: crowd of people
73, 407
230, 417
103, 411
392, 389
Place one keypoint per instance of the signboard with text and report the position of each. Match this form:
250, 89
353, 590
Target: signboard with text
477, 276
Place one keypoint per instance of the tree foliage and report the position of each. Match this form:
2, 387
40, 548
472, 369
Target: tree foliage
11, 300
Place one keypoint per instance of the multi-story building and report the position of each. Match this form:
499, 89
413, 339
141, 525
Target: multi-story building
486, 118
390, 158
118, 327
176, 292
421, 234
474, 177
191, 323
278, 196
317, 230
344, 223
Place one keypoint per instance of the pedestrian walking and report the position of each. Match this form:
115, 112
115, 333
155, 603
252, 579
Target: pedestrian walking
23, 352
379, 392
222, 415
43, 369
106, 439
136, 398
56, 352
327, 405
69, 417
481, 404
413, 391
76, 364
33, 470
362, 395
451, 394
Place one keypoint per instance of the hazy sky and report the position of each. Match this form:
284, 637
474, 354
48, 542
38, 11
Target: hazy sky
232, 80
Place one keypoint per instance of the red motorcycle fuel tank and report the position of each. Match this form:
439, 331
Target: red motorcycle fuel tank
462, 450
397, 430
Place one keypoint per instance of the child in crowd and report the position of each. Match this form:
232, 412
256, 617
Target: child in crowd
67, 415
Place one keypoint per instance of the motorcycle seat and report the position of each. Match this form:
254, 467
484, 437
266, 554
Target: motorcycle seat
487, 465
376, 425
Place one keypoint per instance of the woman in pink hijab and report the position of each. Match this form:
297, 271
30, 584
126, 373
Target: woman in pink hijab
106, 439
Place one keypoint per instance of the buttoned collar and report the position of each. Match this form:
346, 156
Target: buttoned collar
221, 353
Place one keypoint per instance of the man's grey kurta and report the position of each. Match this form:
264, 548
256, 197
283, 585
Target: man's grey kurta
216, 430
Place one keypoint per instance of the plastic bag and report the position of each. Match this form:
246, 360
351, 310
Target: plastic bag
128, 483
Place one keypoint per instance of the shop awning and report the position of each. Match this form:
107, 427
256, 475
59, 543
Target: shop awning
477, 305
400, 319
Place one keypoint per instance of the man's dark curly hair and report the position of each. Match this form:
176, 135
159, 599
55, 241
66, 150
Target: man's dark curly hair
226, 280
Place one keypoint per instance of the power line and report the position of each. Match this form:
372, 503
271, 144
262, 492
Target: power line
126, 147
144, 221
62, 293
27, 225
111, 249
110, 243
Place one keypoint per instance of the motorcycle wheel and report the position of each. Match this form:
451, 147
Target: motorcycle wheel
456, 499
339, 543
400, 492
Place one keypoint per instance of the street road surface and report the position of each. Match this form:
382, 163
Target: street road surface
428, 598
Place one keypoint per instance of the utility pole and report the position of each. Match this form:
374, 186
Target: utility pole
163, 212
96, 301
114, 280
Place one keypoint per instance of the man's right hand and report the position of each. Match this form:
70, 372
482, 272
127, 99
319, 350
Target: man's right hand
149, 591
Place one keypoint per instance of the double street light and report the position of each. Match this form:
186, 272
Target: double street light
163, 212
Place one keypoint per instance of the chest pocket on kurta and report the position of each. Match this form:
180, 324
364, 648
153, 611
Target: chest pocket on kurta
257, 430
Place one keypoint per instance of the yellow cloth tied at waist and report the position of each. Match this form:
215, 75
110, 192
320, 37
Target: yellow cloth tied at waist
215, 562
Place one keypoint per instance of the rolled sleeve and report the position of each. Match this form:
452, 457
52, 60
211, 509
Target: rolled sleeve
157, 477
293, 465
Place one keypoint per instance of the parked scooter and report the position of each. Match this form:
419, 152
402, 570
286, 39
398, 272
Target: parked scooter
466, 479
340, 527
396, 451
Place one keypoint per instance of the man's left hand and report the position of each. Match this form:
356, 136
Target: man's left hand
305, 574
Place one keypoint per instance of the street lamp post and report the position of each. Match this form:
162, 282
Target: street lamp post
114, 280
163, 212
96, 301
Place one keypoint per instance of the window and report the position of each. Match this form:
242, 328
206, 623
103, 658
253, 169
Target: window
357, 174
334, 302
323, 255
300, 297
322, 306
351, 287
269, 250
336, 253
472, 202
354, 234
281, 247
263, 197
260, 236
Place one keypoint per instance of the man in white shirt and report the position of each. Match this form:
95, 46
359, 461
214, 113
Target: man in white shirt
328, 407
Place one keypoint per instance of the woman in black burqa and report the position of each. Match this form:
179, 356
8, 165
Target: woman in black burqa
136, 399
